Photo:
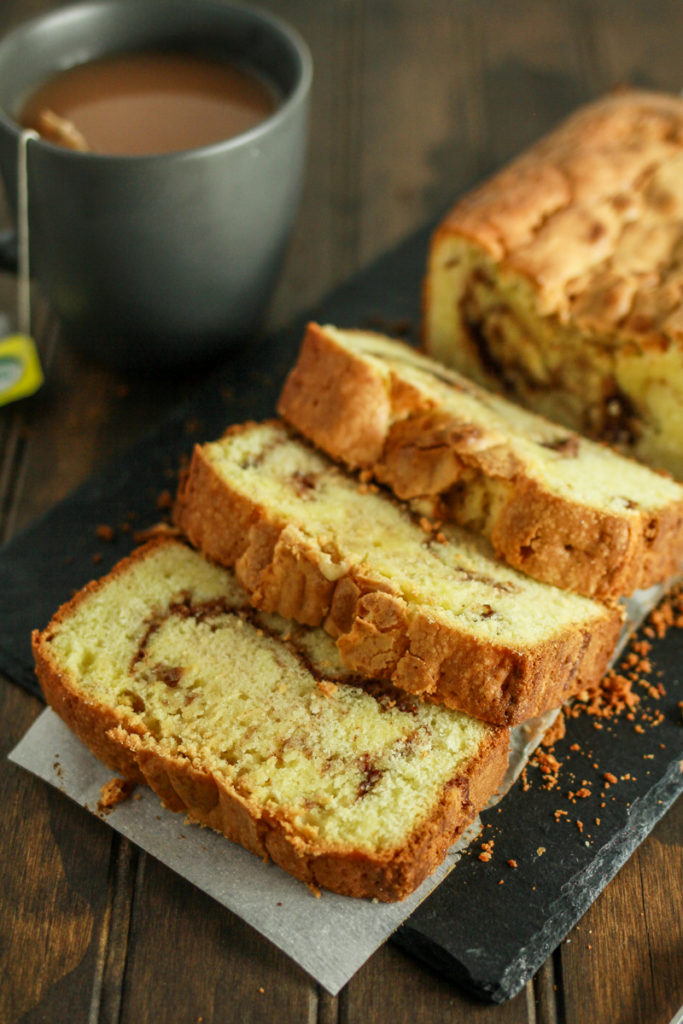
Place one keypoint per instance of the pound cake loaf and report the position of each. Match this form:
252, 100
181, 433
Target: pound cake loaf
251, 726
560, 280
434, 612
565, 510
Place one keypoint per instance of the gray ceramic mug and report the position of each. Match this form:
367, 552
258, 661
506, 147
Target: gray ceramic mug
156, 261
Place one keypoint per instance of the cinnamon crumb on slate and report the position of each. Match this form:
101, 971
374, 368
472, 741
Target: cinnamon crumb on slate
619, 695
555, 733
549, 765
486, 851
104, 532
164, 500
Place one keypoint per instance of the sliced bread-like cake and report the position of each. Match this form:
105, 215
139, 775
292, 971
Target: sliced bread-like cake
564, 509
436, 613
252, 726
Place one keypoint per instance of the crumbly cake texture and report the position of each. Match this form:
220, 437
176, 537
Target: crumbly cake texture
563, 509
438, 615
252, 726
560, 280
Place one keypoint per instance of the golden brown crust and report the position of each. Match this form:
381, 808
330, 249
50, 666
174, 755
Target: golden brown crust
356, 435
587, 550
377, 632
607, 182
419, 450
116, 737
210, 801
490, 681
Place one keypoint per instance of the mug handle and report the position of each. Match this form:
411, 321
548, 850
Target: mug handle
9, 251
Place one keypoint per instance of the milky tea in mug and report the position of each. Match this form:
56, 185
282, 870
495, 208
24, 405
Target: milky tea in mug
136, 104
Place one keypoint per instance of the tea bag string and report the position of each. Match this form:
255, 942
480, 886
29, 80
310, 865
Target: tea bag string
24, 259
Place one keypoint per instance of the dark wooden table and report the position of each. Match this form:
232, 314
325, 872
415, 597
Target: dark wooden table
414, 100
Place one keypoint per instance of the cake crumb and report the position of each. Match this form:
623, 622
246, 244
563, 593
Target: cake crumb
156, 530
165, 500
326, 687
113, 793
555, 732
486, 851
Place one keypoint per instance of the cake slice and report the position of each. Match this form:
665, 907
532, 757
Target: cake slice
434, 612
564, 509
560, 279
252, 726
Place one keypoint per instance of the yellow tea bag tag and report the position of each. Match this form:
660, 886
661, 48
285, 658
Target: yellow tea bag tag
20, 370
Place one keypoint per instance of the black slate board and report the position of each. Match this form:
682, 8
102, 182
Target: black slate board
489, 938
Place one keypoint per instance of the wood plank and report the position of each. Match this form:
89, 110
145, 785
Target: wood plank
391, 987
323, 247
624, 960
414, 148
659, 863
634, 41
14, 12
54, 899
530, 74
190, 959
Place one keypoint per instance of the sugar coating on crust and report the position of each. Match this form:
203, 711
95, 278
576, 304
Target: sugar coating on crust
438, 615
253, 726
561, 508
559, 279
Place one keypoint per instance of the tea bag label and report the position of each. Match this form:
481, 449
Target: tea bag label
20, 371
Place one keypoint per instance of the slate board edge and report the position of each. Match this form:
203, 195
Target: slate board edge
498, 987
